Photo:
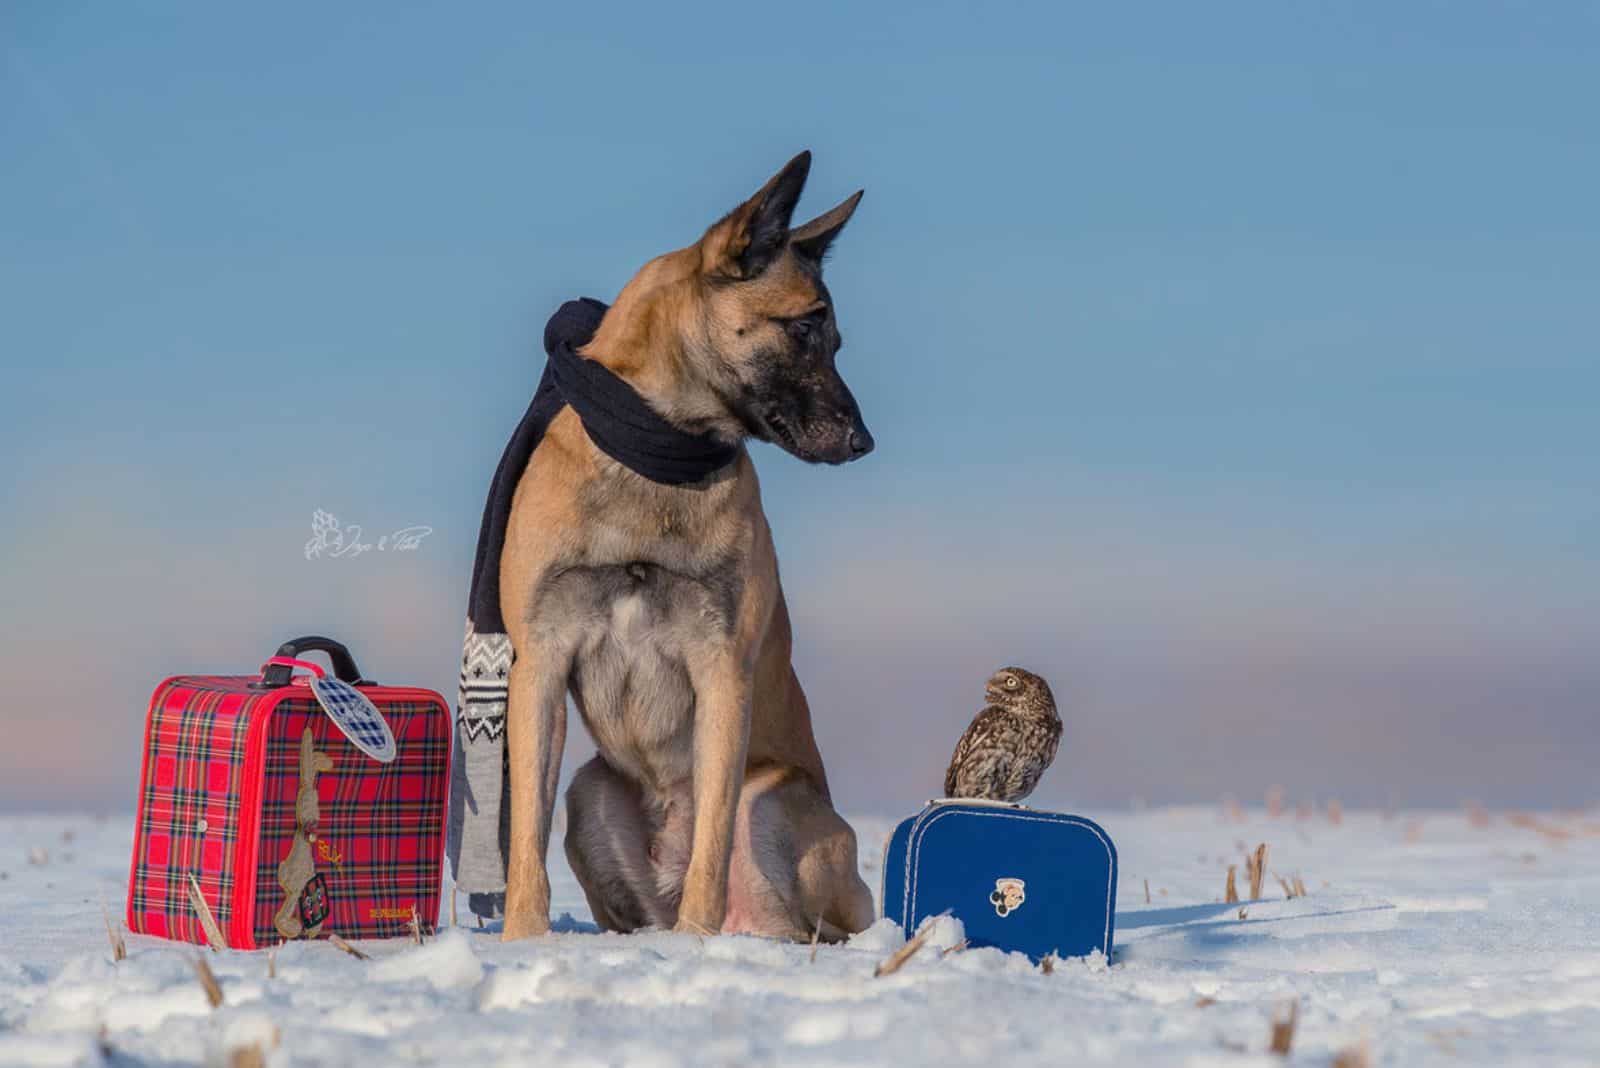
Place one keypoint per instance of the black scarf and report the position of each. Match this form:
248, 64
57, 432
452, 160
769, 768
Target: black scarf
625, 428
620, 423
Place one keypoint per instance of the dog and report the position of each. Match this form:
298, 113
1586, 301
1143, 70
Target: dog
659, 608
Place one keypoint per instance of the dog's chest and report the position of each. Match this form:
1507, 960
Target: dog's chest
632, 628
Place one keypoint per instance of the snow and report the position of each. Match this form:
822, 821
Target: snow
1430, 937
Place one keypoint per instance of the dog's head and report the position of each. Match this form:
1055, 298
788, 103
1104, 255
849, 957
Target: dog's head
736, 334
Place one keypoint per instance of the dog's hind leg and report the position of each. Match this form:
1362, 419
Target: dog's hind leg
829, 874
793, 869
615, 847
827, 884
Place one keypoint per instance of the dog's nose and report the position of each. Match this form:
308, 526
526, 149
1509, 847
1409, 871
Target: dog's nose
860, 442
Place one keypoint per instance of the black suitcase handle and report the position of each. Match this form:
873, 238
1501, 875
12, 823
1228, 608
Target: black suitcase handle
344, 665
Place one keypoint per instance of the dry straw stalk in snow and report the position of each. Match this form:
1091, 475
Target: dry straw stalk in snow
119, 946
208, 922
208, 982
898, 959
1256, 867
340, 944
1283, 1029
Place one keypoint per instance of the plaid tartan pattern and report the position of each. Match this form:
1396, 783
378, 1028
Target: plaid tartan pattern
189, 805
221, 767
381, 838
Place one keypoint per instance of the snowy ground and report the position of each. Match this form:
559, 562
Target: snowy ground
1430, 938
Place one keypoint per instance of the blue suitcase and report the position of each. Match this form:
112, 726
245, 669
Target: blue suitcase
1017, 878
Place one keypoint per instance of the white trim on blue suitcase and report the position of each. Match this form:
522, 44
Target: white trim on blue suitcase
937, 810
929, 809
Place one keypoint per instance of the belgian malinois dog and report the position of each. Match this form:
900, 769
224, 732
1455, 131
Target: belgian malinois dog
659, 607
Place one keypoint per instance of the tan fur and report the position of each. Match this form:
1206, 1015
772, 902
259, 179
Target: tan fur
660, 608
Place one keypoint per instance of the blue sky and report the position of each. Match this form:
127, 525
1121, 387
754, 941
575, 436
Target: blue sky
1233, 366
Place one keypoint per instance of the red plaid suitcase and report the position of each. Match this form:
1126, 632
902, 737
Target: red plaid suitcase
218, 797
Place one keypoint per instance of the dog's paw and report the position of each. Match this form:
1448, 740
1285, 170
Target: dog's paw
686, 926
520, 927
702, 909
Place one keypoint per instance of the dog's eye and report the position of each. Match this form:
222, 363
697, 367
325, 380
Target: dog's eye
803, 326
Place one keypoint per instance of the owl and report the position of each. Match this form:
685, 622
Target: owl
1010, 743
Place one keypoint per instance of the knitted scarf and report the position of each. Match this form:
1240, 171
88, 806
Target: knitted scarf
624, 427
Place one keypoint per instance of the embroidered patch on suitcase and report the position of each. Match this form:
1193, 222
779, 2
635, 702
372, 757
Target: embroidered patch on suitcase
1008, 896
314, 902
305, 903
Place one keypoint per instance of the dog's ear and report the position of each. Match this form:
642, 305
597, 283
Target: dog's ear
812, 239
752, 235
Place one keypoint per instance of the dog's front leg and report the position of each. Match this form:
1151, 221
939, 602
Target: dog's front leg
536, 732
722, 686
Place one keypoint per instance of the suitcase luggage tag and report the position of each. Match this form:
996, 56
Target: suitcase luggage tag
357, 718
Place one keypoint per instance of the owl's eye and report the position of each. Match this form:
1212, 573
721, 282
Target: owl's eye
1012, 682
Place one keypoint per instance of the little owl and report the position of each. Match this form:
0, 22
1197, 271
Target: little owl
1010, 743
